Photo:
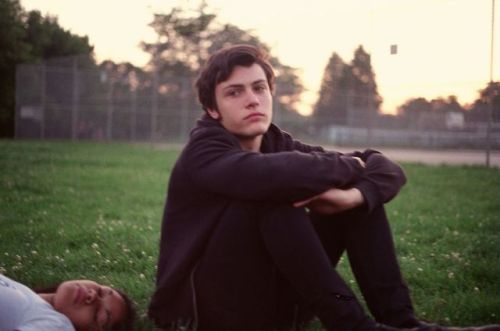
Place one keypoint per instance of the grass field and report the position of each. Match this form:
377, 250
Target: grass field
88, 210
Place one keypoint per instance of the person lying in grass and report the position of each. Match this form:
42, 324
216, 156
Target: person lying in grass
81, 305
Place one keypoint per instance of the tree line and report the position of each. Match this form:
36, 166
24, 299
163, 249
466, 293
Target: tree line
185, 39
28, 37
349, 97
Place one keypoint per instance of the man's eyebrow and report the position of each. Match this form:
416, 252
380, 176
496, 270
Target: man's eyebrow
233, 86
238, 85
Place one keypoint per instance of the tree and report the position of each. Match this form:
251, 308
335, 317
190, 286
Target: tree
331, 105
364, 99
348, 93
412, 110
488, 97
419, 113
29, 37
185, 41
182, 43
48, 39
13, 49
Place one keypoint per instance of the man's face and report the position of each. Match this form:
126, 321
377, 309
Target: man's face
89, 305
244, 103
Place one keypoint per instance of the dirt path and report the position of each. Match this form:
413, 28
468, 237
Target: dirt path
452, 157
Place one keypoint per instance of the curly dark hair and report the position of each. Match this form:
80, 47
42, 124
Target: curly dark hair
220, 66
127, 324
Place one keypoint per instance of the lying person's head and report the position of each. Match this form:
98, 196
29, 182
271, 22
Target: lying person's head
91, 306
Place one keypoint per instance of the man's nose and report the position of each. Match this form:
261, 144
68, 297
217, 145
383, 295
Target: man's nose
252, 99
91, 296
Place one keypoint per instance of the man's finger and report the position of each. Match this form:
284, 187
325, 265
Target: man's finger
299, 204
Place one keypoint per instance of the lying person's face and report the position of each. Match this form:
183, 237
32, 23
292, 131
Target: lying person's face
89, 305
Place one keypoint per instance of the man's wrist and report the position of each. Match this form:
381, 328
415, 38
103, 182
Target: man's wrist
357, 197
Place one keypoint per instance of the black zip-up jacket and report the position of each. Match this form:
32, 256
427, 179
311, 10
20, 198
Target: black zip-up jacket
213, 170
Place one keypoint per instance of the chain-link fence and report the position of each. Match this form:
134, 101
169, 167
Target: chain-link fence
69, 101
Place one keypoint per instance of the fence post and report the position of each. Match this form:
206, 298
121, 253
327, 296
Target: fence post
154, 104
133, 115
74, 102
17, 108
43, 99
490, 97
109, 113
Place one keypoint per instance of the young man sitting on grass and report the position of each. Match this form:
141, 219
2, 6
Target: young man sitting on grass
255, 221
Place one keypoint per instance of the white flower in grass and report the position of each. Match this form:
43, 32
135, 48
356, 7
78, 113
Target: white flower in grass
476, 289
420, 269
451, 275
95, 246
141, 276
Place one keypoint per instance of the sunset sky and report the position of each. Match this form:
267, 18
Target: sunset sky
443, 45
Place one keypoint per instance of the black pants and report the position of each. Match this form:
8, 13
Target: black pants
268, 267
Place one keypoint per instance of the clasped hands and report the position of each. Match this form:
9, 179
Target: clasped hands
334, 200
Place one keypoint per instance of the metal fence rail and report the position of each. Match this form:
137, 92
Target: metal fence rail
70, 102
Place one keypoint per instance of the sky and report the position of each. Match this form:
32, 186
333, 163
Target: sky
444, 46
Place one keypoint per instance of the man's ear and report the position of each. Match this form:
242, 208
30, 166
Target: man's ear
213, 113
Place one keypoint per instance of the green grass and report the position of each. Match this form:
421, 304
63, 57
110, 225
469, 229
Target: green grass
89, 210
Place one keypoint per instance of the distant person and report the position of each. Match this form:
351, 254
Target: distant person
255, 221
81, 305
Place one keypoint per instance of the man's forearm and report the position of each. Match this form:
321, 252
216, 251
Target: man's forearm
381, 181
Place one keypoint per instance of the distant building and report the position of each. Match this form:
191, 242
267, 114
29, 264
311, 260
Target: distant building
455, 120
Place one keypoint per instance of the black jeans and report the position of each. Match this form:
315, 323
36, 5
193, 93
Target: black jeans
267, 266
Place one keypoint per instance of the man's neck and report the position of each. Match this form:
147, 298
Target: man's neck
49, 297
251, 144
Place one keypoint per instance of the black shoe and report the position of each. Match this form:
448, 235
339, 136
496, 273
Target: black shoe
383, 327
435, 327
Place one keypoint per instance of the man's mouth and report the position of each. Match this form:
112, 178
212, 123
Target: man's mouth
79, 295
254, 115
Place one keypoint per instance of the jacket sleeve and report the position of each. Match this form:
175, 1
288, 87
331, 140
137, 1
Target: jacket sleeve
381, 180
215, 163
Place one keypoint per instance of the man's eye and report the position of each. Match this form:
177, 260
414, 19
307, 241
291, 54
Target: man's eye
260, 88
233, 93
